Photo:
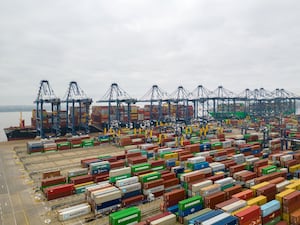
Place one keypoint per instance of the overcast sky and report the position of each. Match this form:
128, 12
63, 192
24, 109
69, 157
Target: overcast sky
135, 43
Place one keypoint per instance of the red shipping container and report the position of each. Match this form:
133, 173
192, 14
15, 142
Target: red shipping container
268, 190
84, 162
192, 148
251, 214
158, 194
276, 180
133, 154
101, 177
156, 217
290, 163
232, 190
132, 200
230, 151
209, 159
59, 191
157, 163
117, 164
220, 153
270, 177
137, 160
81, 179
211, 200
171, 182
153, 184
247, 176
272, 216
216, 177
235, 169
245, 195
194, 177
291, 202
53, 181
295, 217
228, 163
118, 157
227, 202
176, 194
185, 157
50, 174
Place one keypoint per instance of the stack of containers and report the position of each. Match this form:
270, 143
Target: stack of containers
171, 200
49, 145
189, 206
158, 165
75, 142
63, 145
76, 172
103, 198
188, 179
290, 203
59, 191
119, 174
52, 181
34, 146
155, 188
197, 163
251, 215
131, 190
170, 181
140, 169
130, 215
271, 212
99, 170
166, 218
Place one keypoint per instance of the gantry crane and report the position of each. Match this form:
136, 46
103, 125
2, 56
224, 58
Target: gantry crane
118, 96
200, 99
181, 98
77, 99
155, 96
46, 95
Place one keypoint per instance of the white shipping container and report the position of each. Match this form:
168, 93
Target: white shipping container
187, 174
235, 175
77, 172
107, 197
225, 181
131, 188
281, 186
118, 172
203, 154
216, 219
153, 190
285, 158
226, 144
214, 188
196, 187
127, 181
166, 220
234, 206
215, 166
251, 161
104, 191
74, 211
197, 159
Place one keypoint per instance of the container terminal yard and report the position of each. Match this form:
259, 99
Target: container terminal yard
233, 163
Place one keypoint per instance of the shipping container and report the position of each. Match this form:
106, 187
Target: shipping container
73, 211
127, 216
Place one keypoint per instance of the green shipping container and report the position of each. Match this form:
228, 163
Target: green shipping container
130, 215
269, 169
274, 221
226, 186
120, 177
76, 145
150, 177
88, 143
62, 144
158, 168
140, 167
190, 202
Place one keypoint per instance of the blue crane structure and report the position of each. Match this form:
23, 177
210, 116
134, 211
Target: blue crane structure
156, 96
117, 96
76, 99
46, 96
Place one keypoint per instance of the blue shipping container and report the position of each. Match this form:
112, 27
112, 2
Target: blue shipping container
205, 146
206, 216
170, 163
230, 220
173, 209
108, 204
201, 165
189, 211
131, 194
246, 149
269, 207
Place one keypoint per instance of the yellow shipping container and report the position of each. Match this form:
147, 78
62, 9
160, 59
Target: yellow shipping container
286, 217
260, 200
292, 169
280, 195
255, 187
295, 186
239, 210
171, 156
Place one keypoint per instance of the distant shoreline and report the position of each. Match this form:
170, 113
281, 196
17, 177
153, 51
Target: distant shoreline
16, 108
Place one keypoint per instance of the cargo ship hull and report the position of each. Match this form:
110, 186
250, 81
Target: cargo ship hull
18, 133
